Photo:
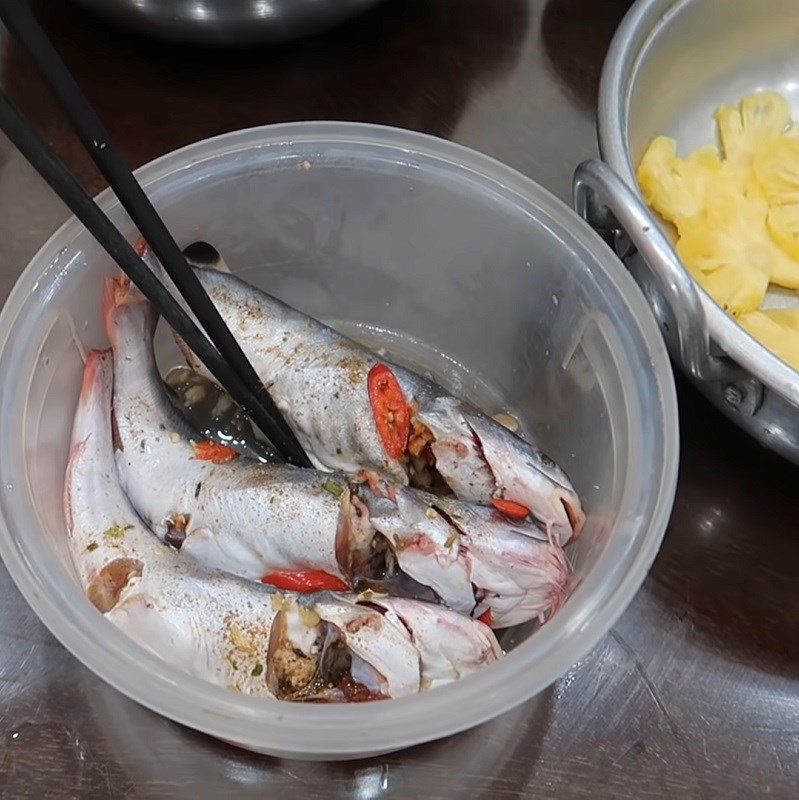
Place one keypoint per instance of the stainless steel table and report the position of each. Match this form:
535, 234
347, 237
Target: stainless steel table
695, 693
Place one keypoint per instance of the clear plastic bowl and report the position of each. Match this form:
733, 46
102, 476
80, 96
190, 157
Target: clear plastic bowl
451, 260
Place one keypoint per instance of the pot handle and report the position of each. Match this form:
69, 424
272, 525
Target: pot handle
607, 203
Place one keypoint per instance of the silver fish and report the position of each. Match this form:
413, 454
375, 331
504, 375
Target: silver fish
256, 520
477, 561
233, 632
318, 379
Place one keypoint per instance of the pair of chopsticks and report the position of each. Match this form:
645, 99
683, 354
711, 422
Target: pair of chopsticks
219, 350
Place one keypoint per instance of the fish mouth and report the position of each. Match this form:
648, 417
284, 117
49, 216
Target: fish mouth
575, 515
526, 475
453, 448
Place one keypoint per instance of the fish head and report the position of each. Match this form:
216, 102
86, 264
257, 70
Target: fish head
458, 458
516, 577
449, 644
339, 651
424, 546
467, 557
529, 477
515, 571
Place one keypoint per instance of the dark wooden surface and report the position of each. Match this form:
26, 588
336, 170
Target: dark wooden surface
695, 693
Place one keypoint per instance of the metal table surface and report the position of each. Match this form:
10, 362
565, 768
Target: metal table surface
695, 692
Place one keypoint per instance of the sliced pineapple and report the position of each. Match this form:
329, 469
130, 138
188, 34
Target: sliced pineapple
736, 289
738, 216
673, 186
781, 340
732, 231
783, 225
760, 116
787, 317
776, 167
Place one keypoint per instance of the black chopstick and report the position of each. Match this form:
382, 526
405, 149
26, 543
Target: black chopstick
18, 18
47, 164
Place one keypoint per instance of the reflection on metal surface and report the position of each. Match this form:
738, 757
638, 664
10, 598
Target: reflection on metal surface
198, 11
370, 782
263, 8
708, 521
419, 68
229, 22
575, 35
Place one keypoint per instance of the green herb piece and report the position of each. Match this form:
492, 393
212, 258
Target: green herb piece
257, 670
91, 547
370, 594
116, 531
333, 488
197, 489
451, 539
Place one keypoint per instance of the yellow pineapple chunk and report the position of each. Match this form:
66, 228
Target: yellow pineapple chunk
738, 216
781, 340
787, 317
776, 167
783, 225
732, 231
760, 116
736, 289
673, 186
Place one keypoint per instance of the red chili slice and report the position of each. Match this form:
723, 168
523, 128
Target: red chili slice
391, 411
486, 617
510, 509
309, 580
214, 452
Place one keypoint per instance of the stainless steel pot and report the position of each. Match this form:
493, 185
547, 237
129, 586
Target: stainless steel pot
228, 21
671, 63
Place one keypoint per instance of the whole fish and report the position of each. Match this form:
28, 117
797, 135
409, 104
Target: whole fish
351, 410
233, 632
306, 529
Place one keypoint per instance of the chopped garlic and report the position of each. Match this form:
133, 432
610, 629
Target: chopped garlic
507, 421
